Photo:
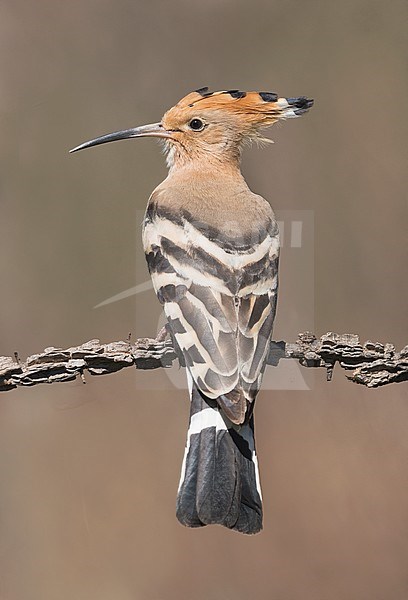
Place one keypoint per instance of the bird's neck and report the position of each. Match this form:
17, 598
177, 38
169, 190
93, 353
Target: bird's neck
217, 159
206, 172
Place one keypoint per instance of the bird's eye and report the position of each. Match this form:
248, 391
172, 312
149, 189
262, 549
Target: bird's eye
196, 125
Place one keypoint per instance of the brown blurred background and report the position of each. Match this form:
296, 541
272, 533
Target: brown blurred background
89, 473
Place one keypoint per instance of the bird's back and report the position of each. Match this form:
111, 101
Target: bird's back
212, 249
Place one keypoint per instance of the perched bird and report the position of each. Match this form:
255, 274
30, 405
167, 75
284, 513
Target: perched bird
212, 248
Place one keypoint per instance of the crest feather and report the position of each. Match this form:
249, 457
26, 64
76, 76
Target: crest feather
253, 108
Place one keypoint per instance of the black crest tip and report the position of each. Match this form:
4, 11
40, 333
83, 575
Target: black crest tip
237, 94
203, 91
268, 96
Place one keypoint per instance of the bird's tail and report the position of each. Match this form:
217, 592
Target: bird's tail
219, 481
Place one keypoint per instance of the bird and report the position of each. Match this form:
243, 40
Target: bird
212, 249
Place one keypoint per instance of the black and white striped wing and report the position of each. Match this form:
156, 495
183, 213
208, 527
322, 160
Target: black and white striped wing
219, 305
203, 323
255, 324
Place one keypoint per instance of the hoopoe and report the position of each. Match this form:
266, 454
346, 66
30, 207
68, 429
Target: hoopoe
212, 248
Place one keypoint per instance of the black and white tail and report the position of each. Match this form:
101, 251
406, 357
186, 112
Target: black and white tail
219, 481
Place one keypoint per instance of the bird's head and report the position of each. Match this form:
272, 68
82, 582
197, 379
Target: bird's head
213, 125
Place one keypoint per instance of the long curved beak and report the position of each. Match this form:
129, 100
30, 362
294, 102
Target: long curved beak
153, 130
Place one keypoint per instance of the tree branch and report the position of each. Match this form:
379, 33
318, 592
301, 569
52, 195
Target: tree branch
372, 364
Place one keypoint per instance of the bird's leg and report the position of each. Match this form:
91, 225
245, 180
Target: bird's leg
163, 333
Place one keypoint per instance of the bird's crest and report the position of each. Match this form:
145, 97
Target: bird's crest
256, 108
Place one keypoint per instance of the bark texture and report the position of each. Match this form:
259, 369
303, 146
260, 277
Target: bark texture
372, 364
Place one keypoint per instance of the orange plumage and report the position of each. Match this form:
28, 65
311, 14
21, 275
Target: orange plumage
253, 109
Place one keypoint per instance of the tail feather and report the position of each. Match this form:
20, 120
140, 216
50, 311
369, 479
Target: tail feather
219, 481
